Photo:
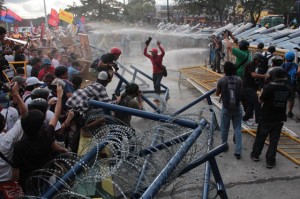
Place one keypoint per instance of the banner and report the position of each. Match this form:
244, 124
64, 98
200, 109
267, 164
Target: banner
66, 16
13, 15
42, 31
53, 19
4, 18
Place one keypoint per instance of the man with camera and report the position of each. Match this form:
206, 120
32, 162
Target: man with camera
107, 61
242, 54
218, 54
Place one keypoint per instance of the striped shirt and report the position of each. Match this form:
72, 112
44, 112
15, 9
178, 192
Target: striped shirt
80, 98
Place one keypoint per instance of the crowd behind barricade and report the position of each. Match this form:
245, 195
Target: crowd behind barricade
258, 90
263, 59
44, 109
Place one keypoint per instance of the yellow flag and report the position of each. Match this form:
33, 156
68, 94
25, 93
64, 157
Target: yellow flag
66, 16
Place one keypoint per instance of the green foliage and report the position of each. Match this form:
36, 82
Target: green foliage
139, 10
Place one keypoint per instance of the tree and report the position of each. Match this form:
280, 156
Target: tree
1, 5
100, 9
253, 8
210, 7
139, 10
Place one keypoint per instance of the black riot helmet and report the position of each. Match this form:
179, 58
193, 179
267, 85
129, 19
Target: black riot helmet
39, 104
40, 93
277, 74
258, 56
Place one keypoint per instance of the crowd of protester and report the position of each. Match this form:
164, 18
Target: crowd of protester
41, 98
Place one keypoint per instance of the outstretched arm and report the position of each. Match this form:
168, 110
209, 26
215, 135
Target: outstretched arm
160, 48
146, 51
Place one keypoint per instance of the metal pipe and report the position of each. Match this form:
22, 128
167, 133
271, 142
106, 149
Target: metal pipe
197, 100
138, 187
143, 114
172, 164
160, 146
211, 154
74, 171
210, 145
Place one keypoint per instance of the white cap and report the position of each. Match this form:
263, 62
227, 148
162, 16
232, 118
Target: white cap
30, 81
103, 75
59, 82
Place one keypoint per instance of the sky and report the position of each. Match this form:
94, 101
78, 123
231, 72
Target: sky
35, 8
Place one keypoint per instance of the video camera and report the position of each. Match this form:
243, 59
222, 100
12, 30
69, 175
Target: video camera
227, 32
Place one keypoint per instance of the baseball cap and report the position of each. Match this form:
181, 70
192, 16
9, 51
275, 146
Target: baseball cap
103, 75
4, 100
154, 50
18, 79
33, 81
47, 62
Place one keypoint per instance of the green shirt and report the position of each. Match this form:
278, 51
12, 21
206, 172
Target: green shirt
240, 57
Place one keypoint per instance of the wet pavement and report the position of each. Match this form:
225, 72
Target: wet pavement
244, 179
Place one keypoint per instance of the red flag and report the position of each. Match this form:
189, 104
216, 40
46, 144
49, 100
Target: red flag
42, 31
54, 18
14, 15
16, 29
82, 19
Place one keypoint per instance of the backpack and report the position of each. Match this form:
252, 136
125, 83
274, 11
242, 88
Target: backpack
230, 99
95, 63
291, 69
264, 66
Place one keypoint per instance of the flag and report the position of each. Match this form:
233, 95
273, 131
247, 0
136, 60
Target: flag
3, 17
16, 29
32, 28
66, 16
11, 14
53, 19
82, 19
42, 31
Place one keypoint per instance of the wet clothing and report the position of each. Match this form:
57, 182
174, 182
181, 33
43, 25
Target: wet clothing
228, 115
19, 57
33, 152
274, 97
240, 58
80, 98
156, 61
156, 67
7, 142
248, 80
127, 101
249, 93
45, 71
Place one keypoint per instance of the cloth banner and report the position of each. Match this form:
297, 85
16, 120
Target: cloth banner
6, 19
13, 15
66, 16
53, 19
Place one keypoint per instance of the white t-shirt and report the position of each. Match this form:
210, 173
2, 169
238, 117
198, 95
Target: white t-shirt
28, 70
7, 141
55, 62
49, 115
11, 114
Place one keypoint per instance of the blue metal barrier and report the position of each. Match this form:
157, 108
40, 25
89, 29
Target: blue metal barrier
143, 114
169, 168
197, 100
77, 169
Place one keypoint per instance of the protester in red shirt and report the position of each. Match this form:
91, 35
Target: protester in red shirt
156, 60
47, 68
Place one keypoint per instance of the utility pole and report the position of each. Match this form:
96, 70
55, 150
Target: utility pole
168, 11
46, 21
